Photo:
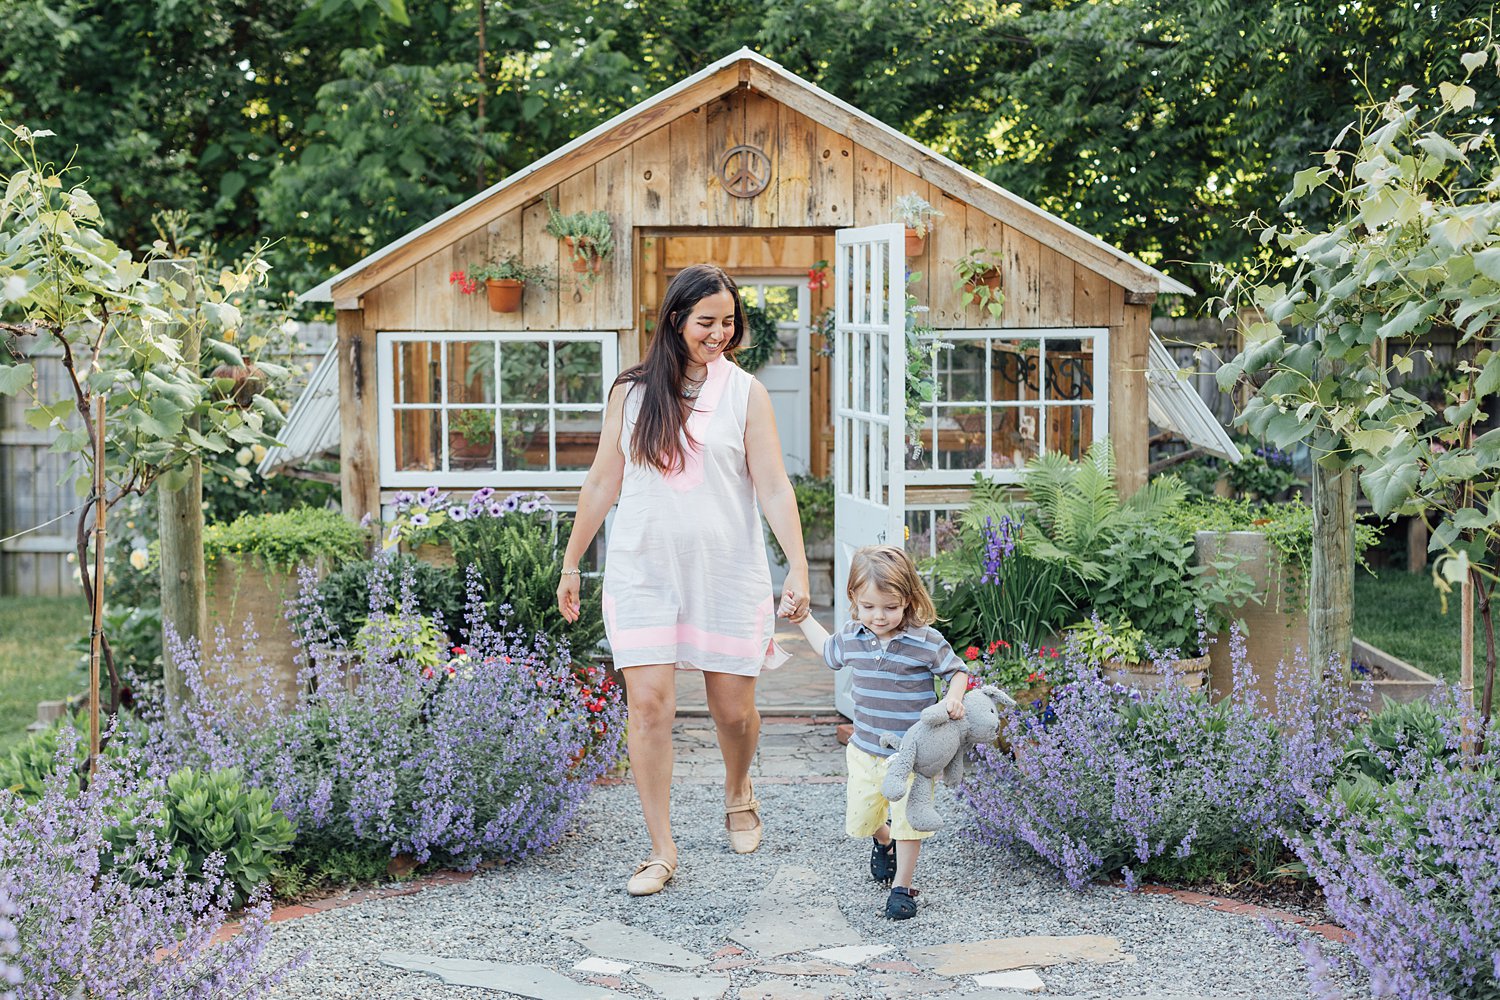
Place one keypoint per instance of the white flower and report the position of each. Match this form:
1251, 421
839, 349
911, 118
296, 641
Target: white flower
243, 456
260, 452
139, 558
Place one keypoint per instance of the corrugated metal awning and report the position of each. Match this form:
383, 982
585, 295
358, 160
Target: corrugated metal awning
1176, 406
312, 426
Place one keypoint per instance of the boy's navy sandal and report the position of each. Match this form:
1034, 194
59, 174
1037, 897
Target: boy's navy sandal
901, 904
883, 861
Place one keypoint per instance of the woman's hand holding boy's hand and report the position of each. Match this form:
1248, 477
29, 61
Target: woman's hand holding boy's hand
792, 609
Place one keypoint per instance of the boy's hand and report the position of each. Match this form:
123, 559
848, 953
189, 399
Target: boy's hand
788, 609
955, 707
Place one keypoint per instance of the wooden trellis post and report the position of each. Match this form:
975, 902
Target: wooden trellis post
184, 603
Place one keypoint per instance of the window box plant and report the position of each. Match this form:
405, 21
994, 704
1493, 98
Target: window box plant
977, 275
915, 212
504, 281
589, 238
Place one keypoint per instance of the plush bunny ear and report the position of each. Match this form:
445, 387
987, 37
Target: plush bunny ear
998, 696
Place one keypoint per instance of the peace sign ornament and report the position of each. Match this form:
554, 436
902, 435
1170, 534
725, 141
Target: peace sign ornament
745, 171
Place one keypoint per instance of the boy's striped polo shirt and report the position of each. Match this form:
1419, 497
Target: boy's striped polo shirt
891, 685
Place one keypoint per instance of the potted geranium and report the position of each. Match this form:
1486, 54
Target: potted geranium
589, 238
471, 434
977, 281
504, 281
917, 214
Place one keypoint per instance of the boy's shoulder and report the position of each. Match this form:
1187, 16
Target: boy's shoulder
926, 635
848, 630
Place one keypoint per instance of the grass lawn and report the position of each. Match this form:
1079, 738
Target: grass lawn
1400, 613
35, 663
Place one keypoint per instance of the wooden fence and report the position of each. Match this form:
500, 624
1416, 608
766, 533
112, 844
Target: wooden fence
36, 486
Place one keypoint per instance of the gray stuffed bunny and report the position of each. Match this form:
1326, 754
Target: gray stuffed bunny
937, 745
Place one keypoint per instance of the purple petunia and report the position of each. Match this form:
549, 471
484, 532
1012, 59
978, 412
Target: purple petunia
530, 507
457, 513
495, 509
511, 502
419, 518
483, 493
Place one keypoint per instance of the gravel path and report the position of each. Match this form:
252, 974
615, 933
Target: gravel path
516, 914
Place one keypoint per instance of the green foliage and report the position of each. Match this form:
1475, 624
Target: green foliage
970, 272
320, 864
916, 213
408, 638
283, 540
344, 594
519, 562
815, 508
1098, 640
27, 766
1392, 733
761, 340
510, 267
135, 634
208, 813
1024, 605
474, 426
591, 232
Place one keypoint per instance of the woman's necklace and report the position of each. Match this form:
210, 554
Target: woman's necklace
691, 387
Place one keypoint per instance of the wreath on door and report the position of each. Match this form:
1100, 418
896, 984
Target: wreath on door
760, 341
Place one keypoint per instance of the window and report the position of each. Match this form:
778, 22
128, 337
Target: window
1005, 397
491, 409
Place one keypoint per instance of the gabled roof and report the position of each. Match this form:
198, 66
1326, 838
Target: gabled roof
749, 68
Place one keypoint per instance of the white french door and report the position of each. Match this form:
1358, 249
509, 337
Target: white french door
869, 405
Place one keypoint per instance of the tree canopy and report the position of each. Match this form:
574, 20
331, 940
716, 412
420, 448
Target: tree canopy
336, 126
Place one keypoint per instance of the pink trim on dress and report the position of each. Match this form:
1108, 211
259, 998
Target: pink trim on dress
697, 427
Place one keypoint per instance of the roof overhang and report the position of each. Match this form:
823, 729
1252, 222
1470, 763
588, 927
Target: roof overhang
747, 68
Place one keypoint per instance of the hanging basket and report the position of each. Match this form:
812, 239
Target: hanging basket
504, 294
915, 245
590, 263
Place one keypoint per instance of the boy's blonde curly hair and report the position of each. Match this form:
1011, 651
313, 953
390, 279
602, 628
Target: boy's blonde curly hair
889, 569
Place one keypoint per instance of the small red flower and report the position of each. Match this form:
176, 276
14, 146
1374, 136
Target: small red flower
457, 651
1033, 677
972, 653
1054, 654
973, 683
994, 646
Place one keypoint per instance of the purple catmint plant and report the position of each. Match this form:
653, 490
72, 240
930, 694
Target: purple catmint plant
1123, 781
1408, 865
489, 754
75, 922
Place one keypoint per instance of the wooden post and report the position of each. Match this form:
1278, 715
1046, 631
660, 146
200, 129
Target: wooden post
1331, 589
1416, 544
1129, 401
359, 460
184, 585
96, 630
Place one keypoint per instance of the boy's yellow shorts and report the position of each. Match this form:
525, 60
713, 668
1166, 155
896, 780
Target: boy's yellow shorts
865, 808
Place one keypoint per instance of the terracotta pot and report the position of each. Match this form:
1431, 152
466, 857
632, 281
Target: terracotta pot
1192, 674
504, 294
592, 262
915, 245
461, 447
990, 279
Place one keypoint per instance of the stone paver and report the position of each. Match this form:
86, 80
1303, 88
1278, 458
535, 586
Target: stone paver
793, 914
854, 954
535, 981
601, 966
612, 939
780, 989
967, 958
804, 969
1019, 980
683, 985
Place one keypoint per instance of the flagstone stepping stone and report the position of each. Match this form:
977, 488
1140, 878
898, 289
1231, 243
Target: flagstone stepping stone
612, 939
1018, 980
780, 989
534, 981
969, 958
793, 913
683, 985
602, 966
854, 954
804, 969
889, 985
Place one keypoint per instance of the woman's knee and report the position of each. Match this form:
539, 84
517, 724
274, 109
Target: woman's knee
650, 701
735, 715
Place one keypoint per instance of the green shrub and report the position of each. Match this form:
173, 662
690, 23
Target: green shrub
134, 638
283, 540
814, 507
438, 592
30, 763
205, 813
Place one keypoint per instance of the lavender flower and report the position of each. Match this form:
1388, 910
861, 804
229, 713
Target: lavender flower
999, 544
483, 493
530, 507
511, 502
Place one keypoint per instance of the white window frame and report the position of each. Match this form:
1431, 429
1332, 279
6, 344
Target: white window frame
1099, 404
387, 406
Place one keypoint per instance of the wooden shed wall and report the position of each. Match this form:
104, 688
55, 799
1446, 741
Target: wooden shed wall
666, 183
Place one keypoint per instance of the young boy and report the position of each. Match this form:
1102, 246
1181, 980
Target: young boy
896, 658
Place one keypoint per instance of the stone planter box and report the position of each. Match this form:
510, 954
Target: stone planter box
1402, 683
241, 587
1275, 628
1191, 674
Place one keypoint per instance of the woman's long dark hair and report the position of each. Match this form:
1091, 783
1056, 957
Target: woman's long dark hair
661, 426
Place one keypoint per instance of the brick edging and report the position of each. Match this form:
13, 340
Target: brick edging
1188, 897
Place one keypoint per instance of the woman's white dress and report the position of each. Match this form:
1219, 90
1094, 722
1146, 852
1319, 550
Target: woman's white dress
686, 579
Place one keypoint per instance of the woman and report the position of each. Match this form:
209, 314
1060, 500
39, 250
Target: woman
689, 444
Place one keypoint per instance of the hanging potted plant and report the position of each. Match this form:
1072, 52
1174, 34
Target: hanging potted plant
504, 281
589, 238
917, 214
978, 280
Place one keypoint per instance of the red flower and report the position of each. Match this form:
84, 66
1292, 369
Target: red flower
457, 651
817, 276
973, 683
972, 653
1054, 653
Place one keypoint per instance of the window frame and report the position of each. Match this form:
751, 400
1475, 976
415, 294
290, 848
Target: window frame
1099, 404
387, 406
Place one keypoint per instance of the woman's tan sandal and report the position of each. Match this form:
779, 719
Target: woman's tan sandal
651, 876
744, 841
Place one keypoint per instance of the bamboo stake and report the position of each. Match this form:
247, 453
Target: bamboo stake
1466, 655
96, 633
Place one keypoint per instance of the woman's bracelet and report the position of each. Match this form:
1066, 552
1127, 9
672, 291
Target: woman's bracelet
571, 572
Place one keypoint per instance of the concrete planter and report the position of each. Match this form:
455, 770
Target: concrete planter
820, 572
241, 587
1275, 627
